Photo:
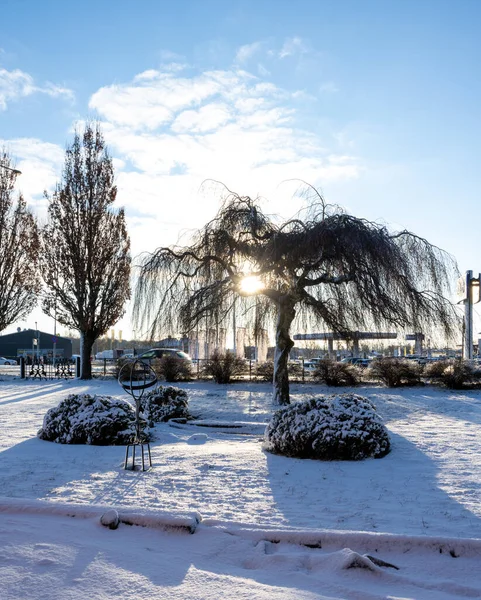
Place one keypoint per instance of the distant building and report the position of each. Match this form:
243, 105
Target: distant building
25, 343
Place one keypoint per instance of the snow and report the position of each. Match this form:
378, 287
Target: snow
264, 526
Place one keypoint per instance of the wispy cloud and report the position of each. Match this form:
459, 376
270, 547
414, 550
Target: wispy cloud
263, 72
328, 87
40, 163
167, 56
247, 51
293, 46
17, 84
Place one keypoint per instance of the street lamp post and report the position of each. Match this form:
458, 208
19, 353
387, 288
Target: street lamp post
14, 171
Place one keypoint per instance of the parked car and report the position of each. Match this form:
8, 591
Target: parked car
160, 352
105, 354
311, 365
7, 361
357, 361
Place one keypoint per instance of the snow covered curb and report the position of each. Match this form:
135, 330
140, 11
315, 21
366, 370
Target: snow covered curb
361, 541
130, 516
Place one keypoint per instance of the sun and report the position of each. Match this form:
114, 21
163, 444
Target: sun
251, 284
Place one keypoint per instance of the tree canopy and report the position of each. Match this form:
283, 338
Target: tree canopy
19, 250
335, 270
85, 246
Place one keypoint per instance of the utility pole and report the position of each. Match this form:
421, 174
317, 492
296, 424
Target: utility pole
469, 283
234, 327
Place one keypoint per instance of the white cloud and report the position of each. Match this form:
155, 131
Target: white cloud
168, 56
41, 166
17, 84
263, 72
329, 87
168, 132
152, 100
13, 85
205, 119
247, 51
293, 46
177, 130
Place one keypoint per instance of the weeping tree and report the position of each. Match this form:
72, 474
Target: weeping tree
19, 251
329, 268
85, 246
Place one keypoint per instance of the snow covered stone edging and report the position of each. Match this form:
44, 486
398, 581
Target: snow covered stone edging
361, 541
336, 427
130, 516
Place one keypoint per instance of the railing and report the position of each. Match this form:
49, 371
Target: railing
253, 370
40, 368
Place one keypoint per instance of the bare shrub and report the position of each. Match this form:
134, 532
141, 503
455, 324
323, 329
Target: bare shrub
335, 374
170, 368
435, 370
265, 371
294, 370
222, 367
120, 363
396, 372
454, 374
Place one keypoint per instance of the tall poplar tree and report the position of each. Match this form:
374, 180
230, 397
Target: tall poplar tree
19, 279
85, 246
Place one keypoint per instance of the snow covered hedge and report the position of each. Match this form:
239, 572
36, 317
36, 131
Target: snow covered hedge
164, 403
86, 419
337, 427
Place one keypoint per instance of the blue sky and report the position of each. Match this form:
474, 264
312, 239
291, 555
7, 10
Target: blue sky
375, 102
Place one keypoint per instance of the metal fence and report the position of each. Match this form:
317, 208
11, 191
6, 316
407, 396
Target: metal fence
39, 368
252, 370
46, 369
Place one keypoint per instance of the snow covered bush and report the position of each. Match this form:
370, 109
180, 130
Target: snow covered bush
164, 403
86, 419
337, 427
396, 372
335, 373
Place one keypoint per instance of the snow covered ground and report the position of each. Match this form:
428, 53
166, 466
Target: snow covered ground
272, 527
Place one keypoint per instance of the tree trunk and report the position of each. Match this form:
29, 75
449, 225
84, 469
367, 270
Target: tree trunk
284, 344
86, 344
